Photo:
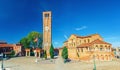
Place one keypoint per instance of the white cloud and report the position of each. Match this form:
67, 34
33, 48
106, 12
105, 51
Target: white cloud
81, 28
65, 36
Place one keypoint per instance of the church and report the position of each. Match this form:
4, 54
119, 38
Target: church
87, 48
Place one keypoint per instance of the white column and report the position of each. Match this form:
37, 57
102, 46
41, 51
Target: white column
88, 49
105, 48
110, 50
26, 53
39, 54
29, 53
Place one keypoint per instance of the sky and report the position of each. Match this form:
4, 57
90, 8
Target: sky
81, 17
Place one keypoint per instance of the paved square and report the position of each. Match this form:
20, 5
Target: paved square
28, 63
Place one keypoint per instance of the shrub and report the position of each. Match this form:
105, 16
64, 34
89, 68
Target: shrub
32, 53
51, 51
45, 54
65, 53
12, 54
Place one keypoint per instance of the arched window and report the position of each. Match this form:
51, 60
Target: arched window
84, 41
88, 40
80, 41
78, 50
81, 49
96, 45
101, 45
101, 48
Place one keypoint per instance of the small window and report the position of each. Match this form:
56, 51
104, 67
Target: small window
100, 48
81, 49
46, 15
80, 41
101, 45
85, 41
74, 44
96, 45
88, 40
78, 50
105, 46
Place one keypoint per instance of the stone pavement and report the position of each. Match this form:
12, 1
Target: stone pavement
59, 64
28, 63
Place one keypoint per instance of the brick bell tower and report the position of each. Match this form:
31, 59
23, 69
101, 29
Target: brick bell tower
47, 31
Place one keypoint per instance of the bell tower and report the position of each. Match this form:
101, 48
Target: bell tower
47, 31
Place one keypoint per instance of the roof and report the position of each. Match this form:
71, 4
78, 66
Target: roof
97, 41
6, 45
84, 36
84, 45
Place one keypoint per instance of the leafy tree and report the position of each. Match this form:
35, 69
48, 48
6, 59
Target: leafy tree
32, 36
65, 53
45, 54
28, 41
24, 41
51, 51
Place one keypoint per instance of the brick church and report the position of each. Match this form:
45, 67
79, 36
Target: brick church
87, 48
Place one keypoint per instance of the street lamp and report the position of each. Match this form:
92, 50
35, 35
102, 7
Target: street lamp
94, 63
2, 68
2, 54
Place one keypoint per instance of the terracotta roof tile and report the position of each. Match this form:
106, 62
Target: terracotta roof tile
6, 45
97, 41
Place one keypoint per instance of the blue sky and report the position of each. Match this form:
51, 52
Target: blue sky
82, 17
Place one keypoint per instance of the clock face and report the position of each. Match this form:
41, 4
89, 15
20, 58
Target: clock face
46, 28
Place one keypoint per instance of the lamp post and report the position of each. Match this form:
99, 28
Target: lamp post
2, 54
94, 63
2, 62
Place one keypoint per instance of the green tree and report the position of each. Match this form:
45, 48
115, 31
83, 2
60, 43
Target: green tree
25, 43
32, 36
28, 41
12, 53
65, 53
52, 51
45, 54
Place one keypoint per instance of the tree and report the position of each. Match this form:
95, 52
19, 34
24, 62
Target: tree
25, 43
51, 51
28, 41
65, 53
32, 36
12, 53
45, 54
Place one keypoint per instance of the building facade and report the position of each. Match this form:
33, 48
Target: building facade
87, 48
47, 31
7, 48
